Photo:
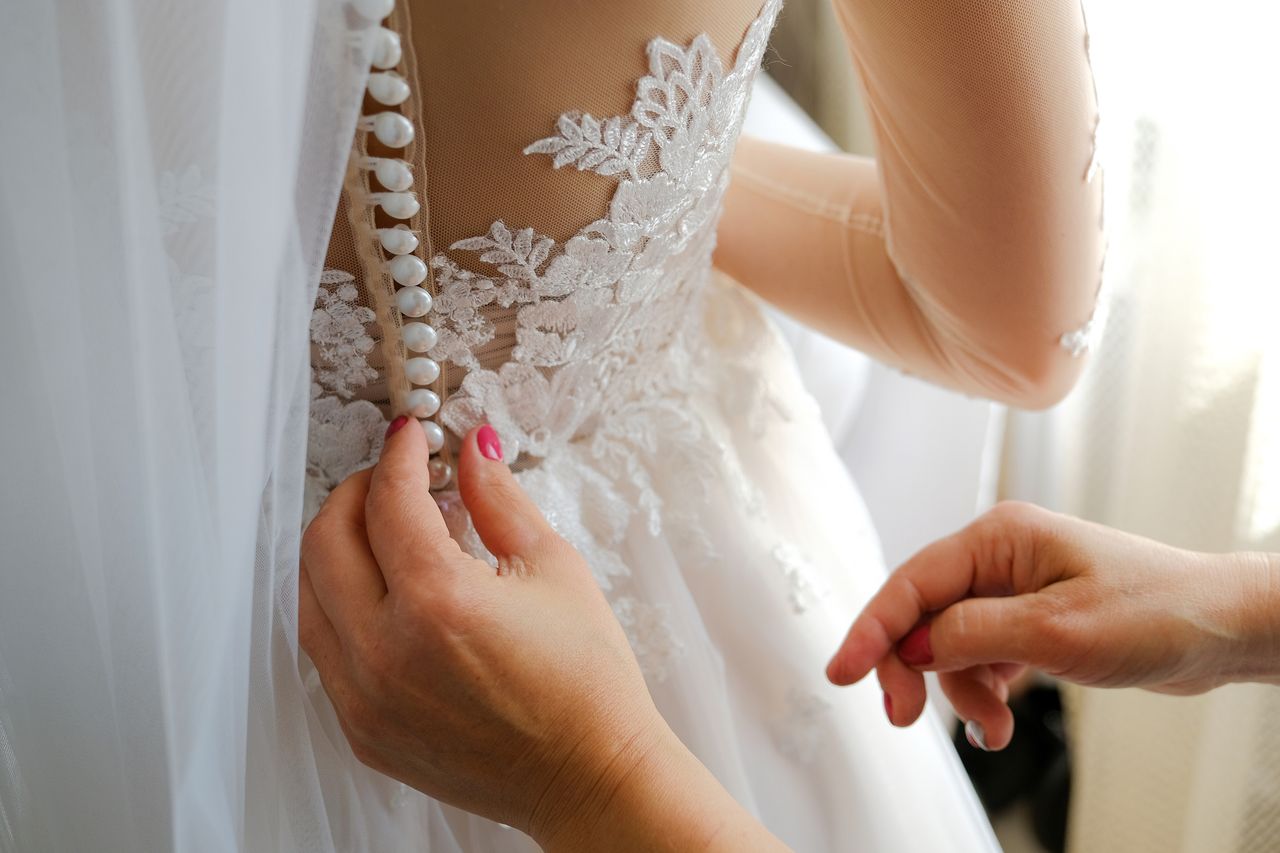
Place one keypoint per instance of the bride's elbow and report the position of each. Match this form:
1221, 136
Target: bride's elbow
1017, 366
1042, 377
1028, 347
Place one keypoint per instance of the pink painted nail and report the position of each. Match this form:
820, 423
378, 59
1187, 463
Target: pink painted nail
487, 441
976, 735
915, 649
395, 425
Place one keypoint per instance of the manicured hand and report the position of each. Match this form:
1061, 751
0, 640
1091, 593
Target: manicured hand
469, 684
1022, 586
511, 693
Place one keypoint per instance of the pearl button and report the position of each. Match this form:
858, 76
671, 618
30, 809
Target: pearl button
389, 88
408, 270
373, 10
435, 435
423, 403
397, 205
418, 337
398, 241
393, 174
441, 473
386, 48
392, 129
413, 301
420, 370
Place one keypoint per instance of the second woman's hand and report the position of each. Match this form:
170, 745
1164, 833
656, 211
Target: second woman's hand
510, 693
1023, 586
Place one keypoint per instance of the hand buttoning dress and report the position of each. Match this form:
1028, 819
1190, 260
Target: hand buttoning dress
526, 239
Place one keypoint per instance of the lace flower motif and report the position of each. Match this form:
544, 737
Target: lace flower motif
344, 437
338, 329
798, 730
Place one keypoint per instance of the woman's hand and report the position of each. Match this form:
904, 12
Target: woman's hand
1022, 586
511, 693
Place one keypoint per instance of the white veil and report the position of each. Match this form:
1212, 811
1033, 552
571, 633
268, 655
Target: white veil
168, 176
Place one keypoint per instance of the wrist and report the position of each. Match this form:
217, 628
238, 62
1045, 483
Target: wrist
651, 795
1261, 617
1248, 618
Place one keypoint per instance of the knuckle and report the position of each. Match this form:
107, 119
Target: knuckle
360, 721
1019, 514
316, 538
391, 498
1049, 632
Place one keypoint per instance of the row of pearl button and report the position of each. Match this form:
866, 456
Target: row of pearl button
408, 271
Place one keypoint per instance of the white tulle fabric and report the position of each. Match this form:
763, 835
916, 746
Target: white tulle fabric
656, 417
169, 179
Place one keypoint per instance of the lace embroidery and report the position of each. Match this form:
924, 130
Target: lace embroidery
806, 588
596, 316
344, 435
798, 731
343, 438
609, 360
338, 330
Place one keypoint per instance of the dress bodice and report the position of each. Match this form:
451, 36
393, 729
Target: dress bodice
551, 341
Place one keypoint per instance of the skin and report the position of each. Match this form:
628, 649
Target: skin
1022, 586
510, 693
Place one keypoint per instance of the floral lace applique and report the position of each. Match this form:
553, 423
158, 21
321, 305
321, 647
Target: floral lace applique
338, 330
343, 438
344, 435
798, 730
600, 319
806, 587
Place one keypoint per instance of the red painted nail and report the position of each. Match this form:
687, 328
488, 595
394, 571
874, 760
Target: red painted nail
395, 425
490, 446
915, 649
888, 707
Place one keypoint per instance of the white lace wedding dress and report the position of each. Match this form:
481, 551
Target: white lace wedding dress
657, 418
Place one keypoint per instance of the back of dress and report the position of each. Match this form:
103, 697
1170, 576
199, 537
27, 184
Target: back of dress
529, 212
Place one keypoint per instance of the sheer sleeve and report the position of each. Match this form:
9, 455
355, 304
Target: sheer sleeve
970, 251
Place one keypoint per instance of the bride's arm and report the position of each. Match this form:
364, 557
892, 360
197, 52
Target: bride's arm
973, 243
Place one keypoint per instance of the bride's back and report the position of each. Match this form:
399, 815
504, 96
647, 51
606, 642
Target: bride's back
496, 75
523, 257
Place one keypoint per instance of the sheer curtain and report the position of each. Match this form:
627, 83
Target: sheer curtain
169, 176
1174, 431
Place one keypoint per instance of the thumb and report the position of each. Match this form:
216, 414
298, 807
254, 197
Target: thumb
507, 521
980, 631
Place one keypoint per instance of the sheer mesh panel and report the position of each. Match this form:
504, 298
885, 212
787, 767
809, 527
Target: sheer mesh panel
489, 80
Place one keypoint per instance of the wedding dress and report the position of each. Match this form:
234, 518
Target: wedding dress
170, 172
559, 286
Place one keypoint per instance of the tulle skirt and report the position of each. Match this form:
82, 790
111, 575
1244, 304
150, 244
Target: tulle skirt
735, 582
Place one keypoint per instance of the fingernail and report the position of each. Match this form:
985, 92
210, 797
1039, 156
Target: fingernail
395, 425
915, 649
487, 440
888, 707
976, 735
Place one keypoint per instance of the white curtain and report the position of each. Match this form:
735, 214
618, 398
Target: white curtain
1175, 430
168, 175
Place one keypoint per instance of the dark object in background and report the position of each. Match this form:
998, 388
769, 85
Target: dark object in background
1034, 766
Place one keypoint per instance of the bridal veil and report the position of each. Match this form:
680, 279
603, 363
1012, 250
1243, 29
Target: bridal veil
170, 175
